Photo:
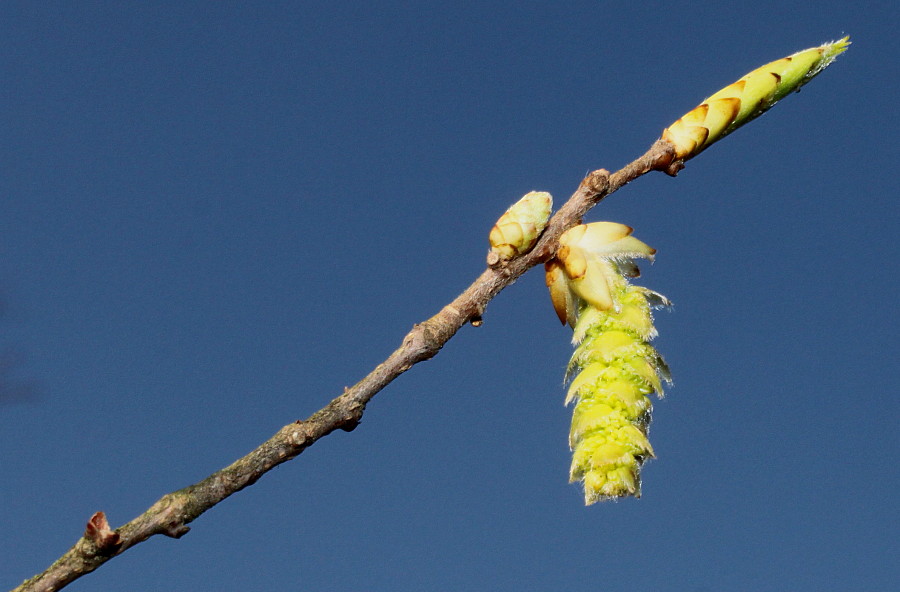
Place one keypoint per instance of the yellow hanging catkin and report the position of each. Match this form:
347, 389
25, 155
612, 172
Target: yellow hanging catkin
748, 98
616, 367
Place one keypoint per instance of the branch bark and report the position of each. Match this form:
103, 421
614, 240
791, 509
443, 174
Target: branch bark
171, 514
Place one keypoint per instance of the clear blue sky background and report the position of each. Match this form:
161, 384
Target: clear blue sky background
214, 216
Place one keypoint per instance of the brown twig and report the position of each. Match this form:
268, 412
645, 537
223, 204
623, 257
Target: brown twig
171, 514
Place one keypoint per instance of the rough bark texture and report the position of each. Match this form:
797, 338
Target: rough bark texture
172, 513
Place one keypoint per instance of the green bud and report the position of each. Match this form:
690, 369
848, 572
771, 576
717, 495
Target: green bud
748, 98
519, 228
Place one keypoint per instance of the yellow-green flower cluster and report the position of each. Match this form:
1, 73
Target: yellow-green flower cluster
748, 98
615, 367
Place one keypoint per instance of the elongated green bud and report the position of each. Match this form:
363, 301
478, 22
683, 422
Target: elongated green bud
615, 367
519, 228
748, 98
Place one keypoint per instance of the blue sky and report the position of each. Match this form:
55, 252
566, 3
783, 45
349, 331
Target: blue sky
214, 216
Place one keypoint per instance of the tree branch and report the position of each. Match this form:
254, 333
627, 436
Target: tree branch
171, 514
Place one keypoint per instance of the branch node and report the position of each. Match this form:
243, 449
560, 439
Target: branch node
413, 335
416, 342
596, 182
352, 418
673, 168
298, 437
665, 159
104, 538
350, 425
493, 259
176, 530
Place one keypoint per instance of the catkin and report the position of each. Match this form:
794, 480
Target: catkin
614, 366
616, 370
